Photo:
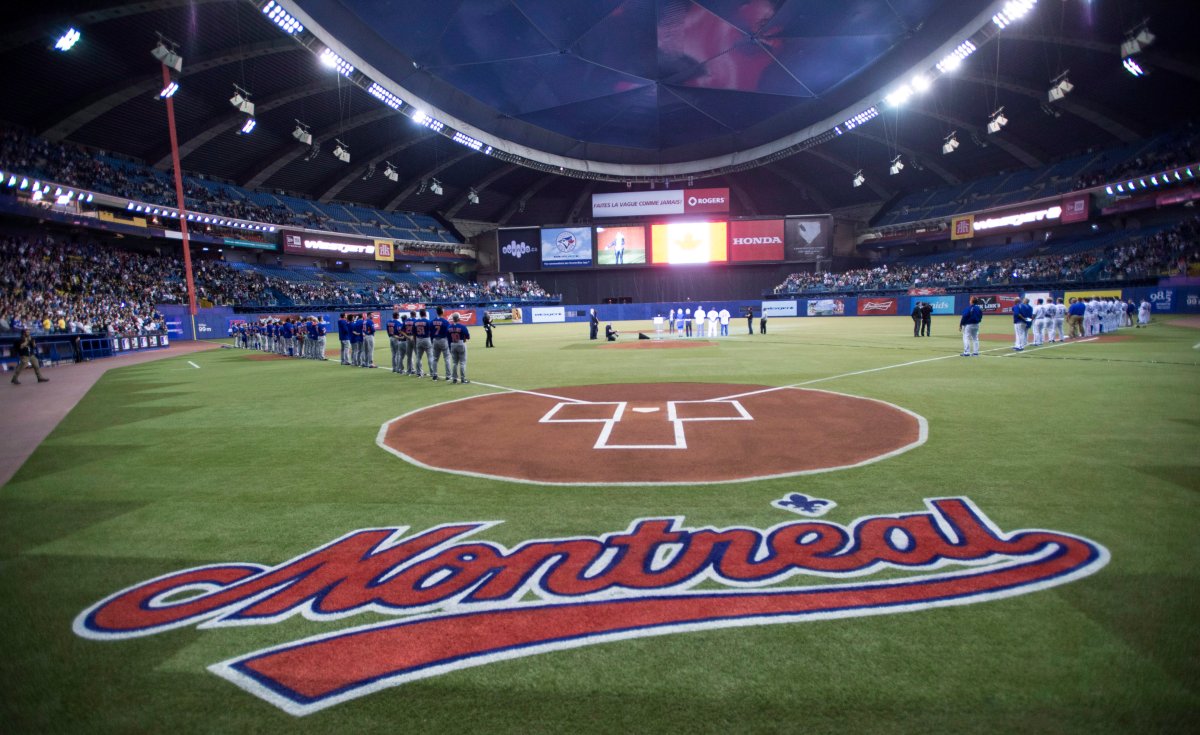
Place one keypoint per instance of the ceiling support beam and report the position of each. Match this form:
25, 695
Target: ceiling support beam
480, 187
292, 152
416, 183
332, 192
150, 84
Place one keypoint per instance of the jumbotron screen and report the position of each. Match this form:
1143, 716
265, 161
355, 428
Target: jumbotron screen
689, 242
624, 245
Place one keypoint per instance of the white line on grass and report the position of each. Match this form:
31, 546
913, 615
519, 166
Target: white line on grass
529, 392
193, 364
847, 375
1060, 344
1196, 346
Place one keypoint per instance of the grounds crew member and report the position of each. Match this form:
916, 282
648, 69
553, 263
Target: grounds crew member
458, 335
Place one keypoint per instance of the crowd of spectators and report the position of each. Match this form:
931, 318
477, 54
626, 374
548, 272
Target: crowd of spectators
73, 165
1165, 253
52, 286
1179, 152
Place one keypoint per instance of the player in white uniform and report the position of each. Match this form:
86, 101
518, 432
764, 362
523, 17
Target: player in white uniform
1039, 322
699, 315
1144, 314
1056, 323
1091, 316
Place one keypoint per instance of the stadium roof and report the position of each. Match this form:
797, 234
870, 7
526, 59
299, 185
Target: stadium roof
616, 90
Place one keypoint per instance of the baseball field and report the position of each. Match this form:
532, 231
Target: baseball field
834, 527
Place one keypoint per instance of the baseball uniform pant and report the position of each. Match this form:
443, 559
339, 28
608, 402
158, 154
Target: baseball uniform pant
441, 351
458, 362
423, 348
970, 339
368, 350
1019, 333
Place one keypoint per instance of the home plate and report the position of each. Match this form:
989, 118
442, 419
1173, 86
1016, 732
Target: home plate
645, 409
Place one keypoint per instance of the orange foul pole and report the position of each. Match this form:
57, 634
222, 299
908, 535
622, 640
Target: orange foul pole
187, 251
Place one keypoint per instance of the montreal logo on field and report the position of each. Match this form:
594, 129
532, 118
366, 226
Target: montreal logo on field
456, 602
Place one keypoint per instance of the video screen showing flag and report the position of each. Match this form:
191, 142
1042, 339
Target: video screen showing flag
688, 242
620, 245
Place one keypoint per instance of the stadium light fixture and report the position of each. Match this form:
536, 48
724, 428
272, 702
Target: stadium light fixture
1012, 11
896, 167
241, 100
169, 90
858, 179
168, 54
950, 144
1137, 39
377, 91
899, 96
1133, 67
435, 186
955, 58
282, 18
997, 121
67, 40
921, 83
248, 126
341, 151
302, 134
390, 172
473, 196
330, 59
1060, 86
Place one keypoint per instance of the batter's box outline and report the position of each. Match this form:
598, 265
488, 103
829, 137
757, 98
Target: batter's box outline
619, 412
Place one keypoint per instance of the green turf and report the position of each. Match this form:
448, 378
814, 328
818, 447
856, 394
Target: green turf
164, 466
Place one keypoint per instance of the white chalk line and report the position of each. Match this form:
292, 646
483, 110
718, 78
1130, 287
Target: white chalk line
193, 364
1039, 348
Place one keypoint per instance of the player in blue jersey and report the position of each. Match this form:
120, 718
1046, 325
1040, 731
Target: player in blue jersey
972, 317
410, 344
321, 330
421, 332
343, 325
395, 334
356, 340
458, 336
440, 343
368, 341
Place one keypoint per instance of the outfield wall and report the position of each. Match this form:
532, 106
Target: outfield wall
215, 323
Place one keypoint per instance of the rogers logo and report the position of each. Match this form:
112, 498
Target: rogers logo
757, 241
877, 305
693, 201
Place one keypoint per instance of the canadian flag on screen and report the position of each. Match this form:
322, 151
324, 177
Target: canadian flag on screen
688, 243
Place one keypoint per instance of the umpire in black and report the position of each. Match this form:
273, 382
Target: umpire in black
916, 317
926, 318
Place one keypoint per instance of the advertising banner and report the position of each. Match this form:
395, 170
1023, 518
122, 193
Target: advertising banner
254, 245
465, 316
998, 303
326, 245
566, 247
807, 239
653, 203
546, 314
502, 316
780, 308
962, 228
408, 307
826, 307
941, 304
1076, 208
927, 291
518, 249
621, 245
1162, 299
1085, 295
385, 250
751, 240
877, 306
